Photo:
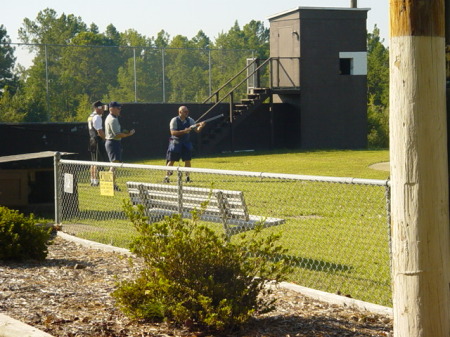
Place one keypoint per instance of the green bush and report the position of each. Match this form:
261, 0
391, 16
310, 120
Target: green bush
193, 275
20, 237
378, 127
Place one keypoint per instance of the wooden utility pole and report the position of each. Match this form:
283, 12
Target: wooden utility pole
419, 169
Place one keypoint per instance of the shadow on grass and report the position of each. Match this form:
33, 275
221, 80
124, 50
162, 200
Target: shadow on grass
317, 265
78, 226
313, 264
97, 215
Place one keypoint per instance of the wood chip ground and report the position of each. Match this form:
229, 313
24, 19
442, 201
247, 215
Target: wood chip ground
68, 295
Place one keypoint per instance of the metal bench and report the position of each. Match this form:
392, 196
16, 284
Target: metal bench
213, 205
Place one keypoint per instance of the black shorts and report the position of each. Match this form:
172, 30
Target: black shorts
97, 150
177, 151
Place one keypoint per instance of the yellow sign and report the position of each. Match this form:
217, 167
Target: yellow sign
106, 183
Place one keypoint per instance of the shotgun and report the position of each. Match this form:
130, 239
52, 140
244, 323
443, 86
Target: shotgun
207, 120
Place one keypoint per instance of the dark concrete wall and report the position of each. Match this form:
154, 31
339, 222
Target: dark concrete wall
151, 122
266, 129
263, 129
24, 138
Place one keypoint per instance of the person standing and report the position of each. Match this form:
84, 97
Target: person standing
180, 145
114, 134
96, 139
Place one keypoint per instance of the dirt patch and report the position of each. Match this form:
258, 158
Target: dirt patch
380, 166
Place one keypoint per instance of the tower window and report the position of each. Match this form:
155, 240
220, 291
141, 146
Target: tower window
353, 63
345, 66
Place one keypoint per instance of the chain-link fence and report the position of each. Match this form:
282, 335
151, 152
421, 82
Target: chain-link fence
335, 229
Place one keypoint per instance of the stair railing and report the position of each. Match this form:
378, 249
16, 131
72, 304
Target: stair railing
216, 93
230, 93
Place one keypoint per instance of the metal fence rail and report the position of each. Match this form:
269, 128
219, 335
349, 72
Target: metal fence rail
336, 229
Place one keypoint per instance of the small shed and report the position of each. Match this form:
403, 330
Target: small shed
27, 181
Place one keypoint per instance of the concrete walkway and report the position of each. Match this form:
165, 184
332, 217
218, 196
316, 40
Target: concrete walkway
10, 327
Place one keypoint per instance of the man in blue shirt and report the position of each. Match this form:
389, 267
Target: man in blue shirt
114, 135
180, 145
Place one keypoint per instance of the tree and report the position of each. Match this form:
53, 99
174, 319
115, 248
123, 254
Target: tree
8, 81
201, 41
234, 47
87, 65
71, 69
377, 91
378, 126
187, 69
42, 87
377, 69
162, 39
50, 29
256, 37
11, 109
113, 34
140, 78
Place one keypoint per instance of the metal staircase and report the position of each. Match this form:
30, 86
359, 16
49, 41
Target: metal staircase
253, 100
238, 111
280, 81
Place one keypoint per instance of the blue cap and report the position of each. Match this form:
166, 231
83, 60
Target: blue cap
97, 104
115, 104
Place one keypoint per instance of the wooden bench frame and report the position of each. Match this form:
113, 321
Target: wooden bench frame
214, 205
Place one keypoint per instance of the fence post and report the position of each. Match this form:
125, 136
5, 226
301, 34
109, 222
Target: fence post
47, 90
57, 158
209, 71
387, 193
180, 191
163, 76
135, 76
231, 123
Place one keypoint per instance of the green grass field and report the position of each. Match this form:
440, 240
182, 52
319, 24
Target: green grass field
336, 233
336, 163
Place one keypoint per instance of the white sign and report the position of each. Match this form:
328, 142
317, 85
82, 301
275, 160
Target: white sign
68, 183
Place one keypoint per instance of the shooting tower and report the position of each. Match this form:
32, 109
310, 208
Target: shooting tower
320, 67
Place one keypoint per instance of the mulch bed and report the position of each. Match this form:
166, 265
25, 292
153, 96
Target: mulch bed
68, 295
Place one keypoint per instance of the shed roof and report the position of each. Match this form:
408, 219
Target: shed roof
316, 8
26, 156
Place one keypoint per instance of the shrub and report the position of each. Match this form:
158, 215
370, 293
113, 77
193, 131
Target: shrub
378, 127
191, 274
20, 237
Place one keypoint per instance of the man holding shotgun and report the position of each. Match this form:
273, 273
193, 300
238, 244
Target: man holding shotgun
180, 146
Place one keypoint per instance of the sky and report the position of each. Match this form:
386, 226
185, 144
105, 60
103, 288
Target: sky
176, 17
